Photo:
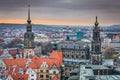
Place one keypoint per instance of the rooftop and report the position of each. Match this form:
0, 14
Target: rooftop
99, 72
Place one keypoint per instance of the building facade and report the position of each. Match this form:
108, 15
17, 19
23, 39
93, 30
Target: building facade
73, 54
74, 51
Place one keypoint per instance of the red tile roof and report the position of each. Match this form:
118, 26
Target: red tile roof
20, 77
54, 59
13, 65
36, 63
57, 55
12, 62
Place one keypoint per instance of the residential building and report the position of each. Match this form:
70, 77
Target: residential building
31, 74
98, 72
37, 68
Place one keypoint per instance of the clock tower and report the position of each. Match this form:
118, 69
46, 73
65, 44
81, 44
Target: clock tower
29, 38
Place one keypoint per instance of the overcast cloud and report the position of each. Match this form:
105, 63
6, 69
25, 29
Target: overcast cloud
108, 10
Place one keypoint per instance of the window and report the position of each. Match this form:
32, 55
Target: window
41, 76
47, 76
54, 72
47, 71
1, 64
32, 75
41, 71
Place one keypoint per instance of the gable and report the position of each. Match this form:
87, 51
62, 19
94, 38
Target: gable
54, 67
44, 65
30, 71
9, 77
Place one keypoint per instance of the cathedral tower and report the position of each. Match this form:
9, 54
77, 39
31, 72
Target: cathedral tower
28, 38
96, 55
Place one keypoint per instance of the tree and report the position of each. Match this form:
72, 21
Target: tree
14, 43
16, 40
109, 52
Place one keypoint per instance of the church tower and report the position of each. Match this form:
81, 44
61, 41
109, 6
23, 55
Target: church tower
96, 55
28, 38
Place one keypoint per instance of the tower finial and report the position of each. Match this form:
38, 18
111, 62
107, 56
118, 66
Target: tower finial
29, 21
96, 22
96, 18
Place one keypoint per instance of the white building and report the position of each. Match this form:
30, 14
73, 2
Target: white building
9, 77
2, 65
106, 42
31, 74
41, 38
116, 45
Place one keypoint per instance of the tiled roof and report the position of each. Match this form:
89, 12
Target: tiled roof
12, 62
20, 77
55, 58
36, 63
57, 55
13, 71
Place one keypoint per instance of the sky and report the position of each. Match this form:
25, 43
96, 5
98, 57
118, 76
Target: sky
61, 12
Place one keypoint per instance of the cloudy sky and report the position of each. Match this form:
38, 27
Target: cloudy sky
61, 12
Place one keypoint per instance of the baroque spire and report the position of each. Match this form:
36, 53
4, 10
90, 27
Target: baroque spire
29, 21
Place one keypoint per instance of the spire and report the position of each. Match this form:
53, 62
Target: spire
29, 21
96, 22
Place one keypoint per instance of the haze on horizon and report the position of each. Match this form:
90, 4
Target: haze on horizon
61, 12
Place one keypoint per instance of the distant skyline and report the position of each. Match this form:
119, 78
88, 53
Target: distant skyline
61, 12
